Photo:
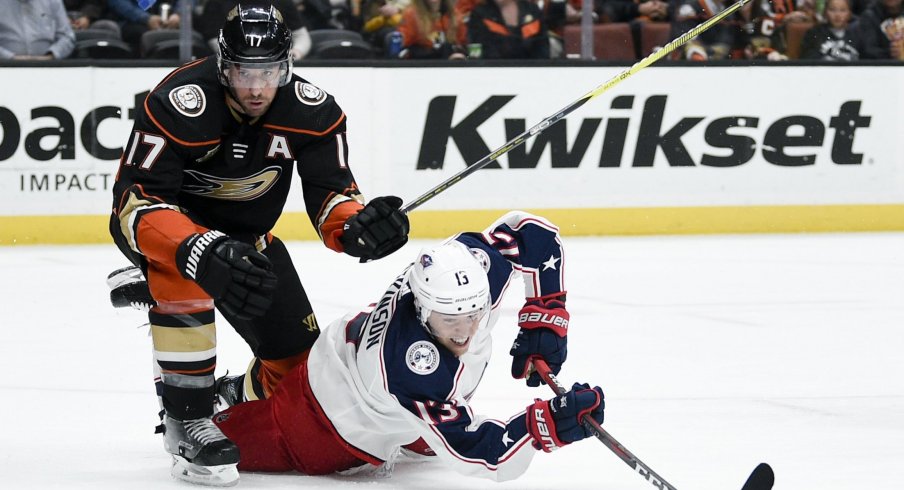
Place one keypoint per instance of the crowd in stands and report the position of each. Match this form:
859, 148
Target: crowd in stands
623, 30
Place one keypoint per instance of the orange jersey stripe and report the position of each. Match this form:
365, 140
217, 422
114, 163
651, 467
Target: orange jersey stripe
308, 131
177, 70
182, 142
160, 126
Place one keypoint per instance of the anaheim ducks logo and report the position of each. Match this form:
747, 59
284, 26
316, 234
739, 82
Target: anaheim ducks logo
227, 189
188, 100
309, 94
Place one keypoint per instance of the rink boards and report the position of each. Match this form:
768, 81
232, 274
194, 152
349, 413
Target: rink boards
670, 150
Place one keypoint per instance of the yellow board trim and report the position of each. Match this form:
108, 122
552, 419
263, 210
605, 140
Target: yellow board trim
86, 229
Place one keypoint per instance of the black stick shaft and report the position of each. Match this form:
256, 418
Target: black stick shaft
558, 116
604, 437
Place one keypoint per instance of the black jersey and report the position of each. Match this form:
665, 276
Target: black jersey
191, 153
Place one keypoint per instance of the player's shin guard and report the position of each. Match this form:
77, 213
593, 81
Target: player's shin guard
185, 359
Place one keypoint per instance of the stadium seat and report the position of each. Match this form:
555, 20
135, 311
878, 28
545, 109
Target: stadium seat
331, 44
654, 35
158, 44
794, 36
611, 42
169, 49
86, 34
100, 49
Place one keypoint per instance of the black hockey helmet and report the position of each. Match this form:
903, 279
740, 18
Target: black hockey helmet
255, 36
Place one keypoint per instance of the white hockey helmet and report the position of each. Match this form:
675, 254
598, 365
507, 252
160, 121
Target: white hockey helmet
448, 279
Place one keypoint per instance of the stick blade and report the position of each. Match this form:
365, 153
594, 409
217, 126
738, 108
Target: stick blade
762, 478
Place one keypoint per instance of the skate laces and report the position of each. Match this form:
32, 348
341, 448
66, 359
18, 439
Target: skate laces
204, 430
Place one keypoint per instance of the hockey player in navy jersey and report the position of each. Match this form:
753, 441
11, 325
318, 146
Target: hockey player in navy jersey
201, 183
400, 373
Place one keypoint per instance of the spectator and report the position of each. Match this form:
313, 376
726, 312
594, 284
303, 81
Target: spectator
509, 29
836, 39
35, 30
631, 10
634, 12
381, 17
768, 20
90, 14
210, 20
432, 29
882, 30
331, 14
716, 43
557, 13
134, 22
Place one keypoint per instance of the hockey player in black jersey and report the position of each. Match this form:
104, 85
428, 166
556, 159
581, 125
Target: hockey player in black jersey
201, 183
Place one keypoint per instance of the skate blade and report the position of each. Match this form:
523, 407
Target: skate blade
125, 275
226, 475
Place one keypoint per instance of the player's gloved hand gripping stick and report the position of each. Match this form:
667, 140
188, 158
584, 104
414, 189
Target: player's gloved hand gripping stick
377, 230
543, 335
762, 477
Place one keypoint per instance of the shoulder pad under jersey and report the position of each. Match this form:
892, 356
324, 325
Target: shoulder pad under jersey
189, 104
305, 108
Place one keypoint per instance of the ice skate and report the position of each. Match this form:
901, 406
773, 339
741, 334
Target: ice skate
128, 287
230, 389
201, 453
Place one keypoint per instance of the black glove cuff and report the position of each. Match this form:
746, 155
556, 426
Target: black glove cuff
194, 251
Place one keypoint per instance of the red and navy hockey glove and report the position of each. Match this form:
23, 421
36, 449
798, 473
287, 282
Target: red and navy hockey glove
557, 422
233, 273
378, 230
543, 335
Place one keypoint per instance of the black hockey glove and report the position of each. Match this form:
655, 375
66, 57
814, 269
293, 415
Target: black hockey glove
557, 422
543, 335
377, 230
233, 273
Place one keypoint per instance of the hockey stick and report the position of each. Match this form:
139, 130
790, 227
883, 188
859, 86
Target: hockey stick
558, 116
761, 478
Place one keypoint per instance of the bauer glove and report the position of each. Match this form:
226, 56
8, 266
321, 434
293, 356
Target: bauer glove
378, 230
233, 273
557, 422
543, 335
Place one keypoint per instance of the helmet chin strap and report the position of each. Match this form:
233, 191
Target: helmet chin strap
230, 91
422, 314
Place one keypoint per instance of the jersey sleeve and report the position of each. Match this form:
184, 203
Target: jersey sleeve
469, 443
331, 194
146, 207
523, 242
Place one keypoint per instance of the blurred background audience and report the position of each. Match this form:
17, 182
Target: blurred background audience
622, 30
35, 30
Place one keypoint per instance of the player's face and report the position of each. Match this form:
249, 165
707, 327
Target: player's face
254, 86
455, 332
838, 14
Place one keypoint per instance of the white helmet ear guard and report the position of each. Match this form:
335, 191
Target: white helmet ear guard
448, 279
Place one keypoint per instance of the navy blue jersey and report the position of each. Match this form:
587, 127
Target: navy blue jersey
384, 382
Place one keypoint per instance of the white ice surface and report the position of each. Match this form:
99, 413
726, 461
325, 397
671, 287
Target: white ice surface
715, 353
